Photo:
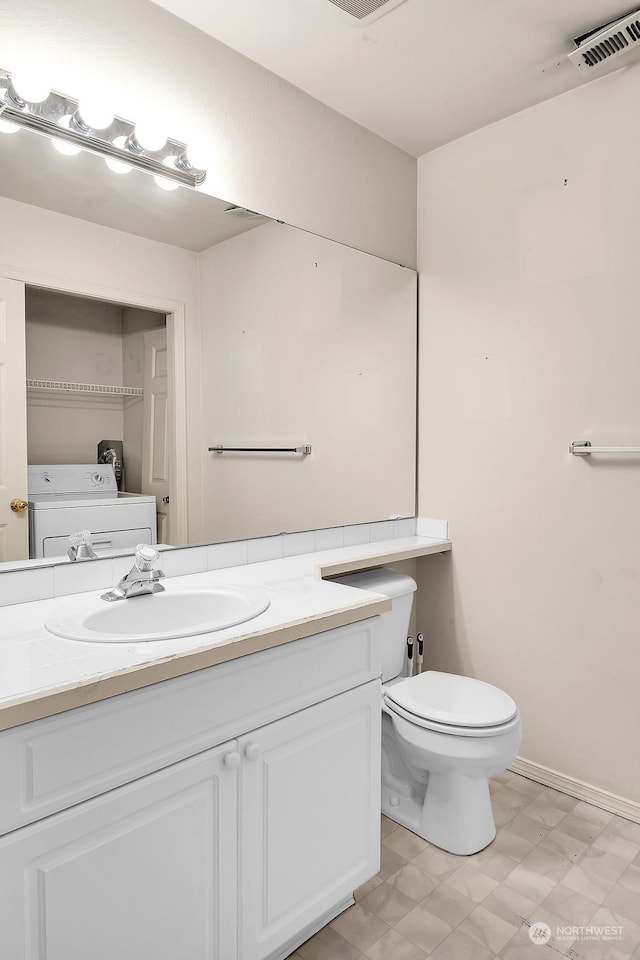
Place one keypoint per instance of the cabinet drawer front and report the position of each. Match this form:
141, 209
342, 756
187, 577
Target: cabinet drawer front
51, 764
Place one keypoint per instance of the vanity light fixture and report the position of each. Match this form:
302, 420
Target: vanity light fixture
60, 118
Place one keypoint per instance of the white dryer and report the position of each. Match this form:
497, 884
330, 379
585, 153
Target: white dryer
65, 498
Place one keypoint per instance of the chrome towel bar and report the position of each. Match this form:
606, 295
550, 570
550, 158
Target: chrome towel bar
584, 448
304, 449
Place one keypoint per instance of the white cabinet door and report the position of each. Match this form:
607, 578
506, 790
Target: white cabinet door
144, 871
310, 817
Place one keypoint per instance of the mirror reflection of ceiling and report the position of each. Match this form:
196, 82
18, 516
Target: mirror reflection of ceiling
82, 186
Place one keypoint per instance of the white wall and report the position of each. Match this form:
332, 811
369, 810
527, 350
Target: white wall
267, 145
305, 341
71, 338
529, 232
78, 340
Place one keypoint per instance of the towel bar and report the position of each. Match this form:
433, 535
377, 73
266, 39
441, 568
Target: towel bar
584, 448
304, 449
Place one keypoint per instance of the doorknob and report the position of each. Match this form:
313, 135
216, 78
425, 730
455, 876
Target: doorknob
165, 499
18, 505
252, 751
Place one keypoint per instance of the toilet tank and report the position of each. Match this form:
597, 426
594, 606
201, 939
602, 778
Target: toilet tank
395, 623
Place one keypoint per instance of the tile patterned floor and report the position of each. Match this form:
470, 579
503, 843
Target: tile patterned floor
555, 861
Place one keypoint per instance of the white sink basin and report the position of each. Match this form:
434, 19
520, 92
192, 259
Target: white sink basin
177, 612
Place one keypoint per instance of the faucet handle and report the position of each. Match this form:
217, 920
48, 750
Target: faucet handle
146, 556
81, 548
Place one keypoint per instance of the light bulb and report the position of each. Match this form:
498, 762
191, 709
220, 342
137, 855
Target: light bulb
7, 127
95, 115
68, 149
149, 136
30, 88
197, 156
117, 166
165, 184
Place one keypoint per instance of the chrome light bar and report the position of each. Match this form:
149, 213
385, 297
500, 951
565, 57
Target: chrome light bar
59, 118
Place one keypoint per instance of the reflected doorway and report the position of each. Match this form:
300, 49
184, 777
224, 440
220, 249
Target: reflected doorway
88, 362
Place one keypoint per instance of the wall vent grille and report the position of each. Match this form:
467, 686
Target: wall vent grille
607, 43
366, 10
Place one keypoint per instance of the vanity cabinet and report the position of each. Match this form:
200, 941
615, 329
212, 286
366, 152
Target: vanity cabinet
239, 851
309, 834
147, 870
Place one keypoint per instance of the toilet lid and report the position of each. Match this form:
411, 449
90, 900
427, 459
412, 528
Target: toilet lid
451, 699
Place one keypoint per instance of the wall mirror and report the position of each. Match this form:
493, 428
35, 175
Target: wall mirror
285, 340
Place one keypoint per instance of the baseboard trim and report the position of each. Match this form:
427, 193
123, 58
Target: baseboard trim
629, 809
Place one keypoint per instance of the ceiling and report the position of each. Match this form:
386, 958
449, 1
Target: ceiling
424, 73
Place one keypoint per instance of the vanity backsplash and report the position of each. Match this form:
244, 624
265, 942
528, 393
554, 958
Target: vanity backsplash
44, 581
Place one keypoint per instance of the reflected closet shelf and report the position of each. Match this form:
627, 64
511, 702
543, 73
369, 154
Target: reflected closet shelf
65, 386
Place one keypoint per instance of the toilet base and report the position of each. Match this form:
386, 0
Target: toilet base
449, 803
401, 808
466, 827
457, 814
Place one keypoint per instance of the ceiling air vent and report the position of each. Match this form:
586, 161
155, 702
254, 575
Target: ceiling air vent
607, 42
365, 11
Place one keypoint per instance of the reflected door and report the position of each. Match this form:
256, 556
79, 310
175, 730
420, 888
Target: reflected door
155, 437
14, 523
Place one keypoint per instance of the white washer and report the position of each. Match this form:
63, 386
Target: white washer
65, 498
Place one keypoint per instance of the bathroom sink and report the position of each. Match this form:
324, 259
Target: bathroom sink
176, 612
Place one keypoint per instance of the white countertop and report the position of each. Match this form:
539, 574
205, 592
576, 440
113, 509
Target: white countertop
41, 674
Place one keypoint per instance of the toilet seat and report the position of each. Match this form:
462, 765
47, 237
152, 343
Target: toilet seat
454, 731
452, 704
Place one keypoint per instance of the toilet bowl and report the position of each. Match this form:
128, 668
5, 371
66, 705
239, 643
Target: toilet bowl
443, 736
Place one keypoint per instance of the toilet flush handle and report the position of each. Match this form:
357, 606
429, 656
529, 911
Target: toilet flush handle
410, 664
420, 654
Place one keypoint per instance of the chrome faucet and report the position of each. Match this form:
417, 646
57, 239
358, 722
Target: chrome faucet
142, 579
81, 548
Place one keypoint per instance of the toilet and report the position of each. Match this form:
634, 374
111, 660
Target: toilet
443, 735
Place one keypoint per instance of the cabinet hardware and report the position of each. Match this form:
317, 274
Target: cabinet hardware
231, 760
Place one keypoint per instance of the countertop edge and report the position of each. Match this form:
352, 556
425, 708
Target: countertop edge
49, 703
324, 571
